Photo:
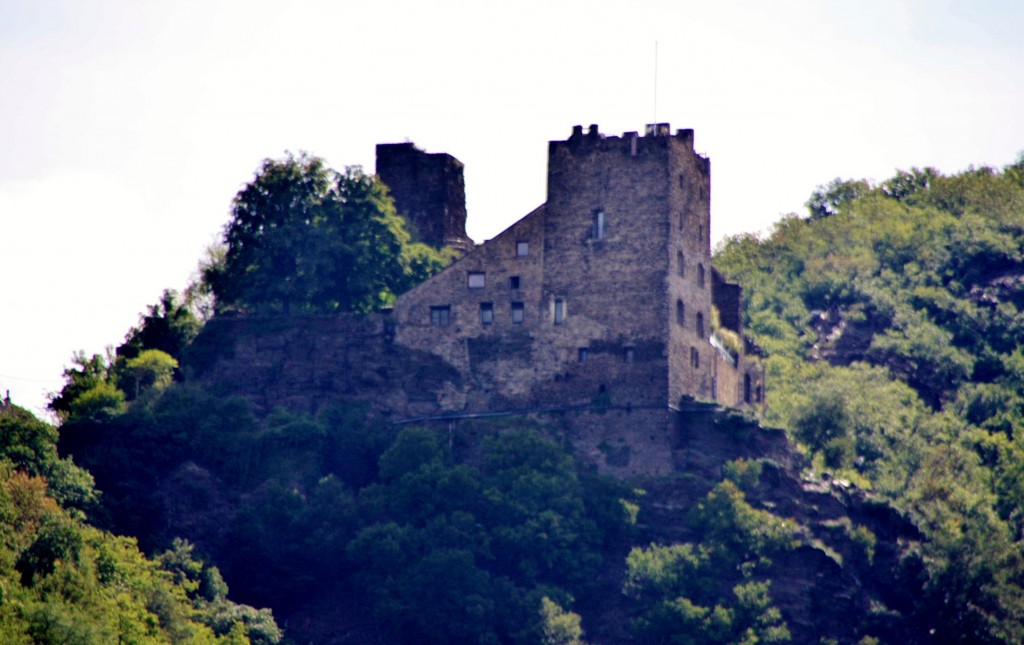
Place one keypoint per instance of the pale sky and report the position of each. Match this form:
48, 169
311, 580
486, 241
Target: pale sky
126, 127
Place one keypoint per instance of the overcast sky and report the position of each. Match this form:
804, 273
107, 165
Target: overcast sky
126, 127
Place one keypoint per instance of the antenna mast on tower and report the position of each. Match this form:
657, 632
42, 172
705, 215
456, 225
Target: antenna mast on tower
655, 120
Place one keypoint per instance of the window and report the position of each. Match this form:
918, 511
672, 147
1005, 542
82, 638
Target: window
680, 313
513, 282
700, 275
517, 313
629, 355
559, 311
486, 313
680, 263
522, 248
746, 388
597, 231
583, 354
476, 280
440, 316
700, 324
694, 358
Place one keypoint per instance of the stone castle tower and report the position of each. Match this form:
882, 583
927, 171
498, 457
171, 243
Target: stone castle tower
429, 189
604, 291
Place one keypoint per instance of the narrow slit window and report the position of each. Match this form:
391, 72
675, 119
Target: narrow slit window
680, 313
486, 313
694, 358
475, 280
700, 324
522, 248
598, 225
517, 313
440, 316
700, 275
559, 311
680, 263
746, 388
583, 354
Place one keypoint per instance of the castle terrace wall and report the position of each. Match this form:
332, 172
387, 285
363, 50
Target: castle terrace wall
302, 363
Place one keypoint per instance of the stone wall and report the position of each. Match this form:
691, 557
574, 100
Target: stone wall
303, 363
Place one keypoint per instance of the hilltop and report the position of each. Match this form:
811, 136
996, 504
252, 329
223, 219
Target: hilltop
322, 465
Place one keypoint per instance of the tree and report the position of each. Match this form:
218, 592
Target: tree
829, 199
168, 326
152, 369
303, 237
87, 375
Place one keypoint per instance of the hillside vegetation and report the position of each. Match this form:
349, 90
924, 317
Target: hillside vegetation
893, 321
64, 581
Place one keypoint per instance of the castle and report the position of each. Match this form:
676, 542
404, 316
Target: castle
605, 290
598, 315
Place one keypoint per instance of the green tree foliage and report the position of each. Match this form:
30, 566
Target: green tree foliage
560, 627
168, 326
30, 445
439, 548
87, 374
476, 548
708, 591
893, 322
305, 238
63, 581
152, 368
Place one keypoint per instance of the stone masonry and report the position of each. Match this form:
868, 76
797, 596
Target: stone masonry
605, 291
429, 190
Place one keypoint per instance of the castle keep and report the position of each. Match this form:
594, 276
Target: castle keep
606, 290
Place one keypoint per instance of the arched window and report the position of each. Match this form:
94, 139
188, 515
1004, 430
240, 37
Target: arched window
700, 275
680, 313
680, 263
700, 324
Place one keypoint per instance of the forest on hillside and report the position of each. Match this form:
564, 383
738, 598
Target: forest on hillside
891, 316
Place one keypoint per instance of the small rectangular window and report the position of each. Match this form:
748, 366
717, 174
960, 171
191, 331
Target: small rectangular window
486, 313
559, 311
598, 225
513, 282
476, 280
440, 316
630, 355
517, 312
583, 354
522, 248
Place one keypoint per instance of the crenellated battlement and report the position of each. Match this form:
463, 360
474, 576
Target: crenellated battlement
656, 140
